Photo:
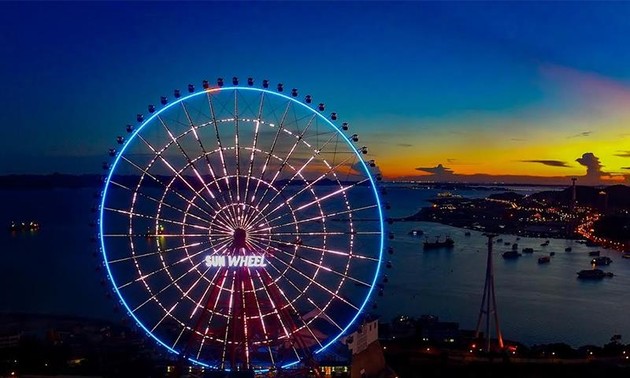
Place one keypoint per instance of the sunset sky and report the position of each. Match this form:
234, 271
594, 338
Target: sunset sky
469, 91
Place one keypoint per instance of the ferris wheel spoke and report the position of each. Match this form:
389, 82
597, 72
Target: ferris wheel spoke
193, 129
271, 149
210, 310
323, 250
284, 163
178, 301
188, 159
318, 233
237, 148
151, 198
166, 187
271, 283
273, 304
266, 340
139, 215
317, 201
311, 279
220, 145
153, 297
305, 324
230, 315
322, 217
308, 186
177, 173
322, 313
135, 257
164, 268
267, 283
145, 235
286, 160
254, 144
319, 265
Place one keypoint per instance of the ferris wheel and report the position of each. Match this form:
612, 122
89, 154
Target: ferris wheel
241, 228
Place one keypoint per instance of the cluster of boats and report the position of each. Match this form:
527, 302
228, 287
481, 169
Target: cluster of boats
596, 261
23, 226
438, 243
586, 273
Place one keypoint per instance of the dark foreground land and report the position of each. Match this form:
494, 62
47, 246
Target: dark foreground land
412, 364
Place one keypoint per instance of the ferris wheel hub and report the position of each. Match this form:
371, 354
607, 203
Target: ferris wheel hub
240, 237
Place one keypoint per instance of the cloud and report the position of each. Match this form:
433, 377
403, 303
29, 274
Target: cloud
357, 168
551, 163
593, 166
582, 134
439, 170
623, 154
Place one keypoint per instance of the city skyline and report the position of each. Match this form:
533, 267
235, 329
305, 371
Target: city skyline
473, 92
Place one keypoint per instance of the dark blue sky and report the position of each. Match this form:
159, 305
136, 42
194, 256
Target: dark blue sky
74, 73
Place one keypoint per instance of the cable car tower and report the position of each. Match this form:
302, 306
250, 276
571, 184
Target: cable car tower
489, 302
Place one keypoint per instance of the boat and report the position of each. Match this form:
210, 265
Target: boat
514, 246
544, 259
416, 232
467, 233
528, 250
568, 249
151, 231
592, 274
446, 243
546, 243
625, 255
510, 254
552, 253
602, 260
593, 253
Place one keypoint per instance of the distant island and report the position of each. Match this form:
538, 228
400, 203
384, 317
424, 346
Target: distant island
65, 180
547, 214
61, 180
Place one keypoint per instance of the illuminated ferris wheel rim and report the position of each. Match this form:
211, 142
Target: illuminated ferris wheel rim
209, 91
